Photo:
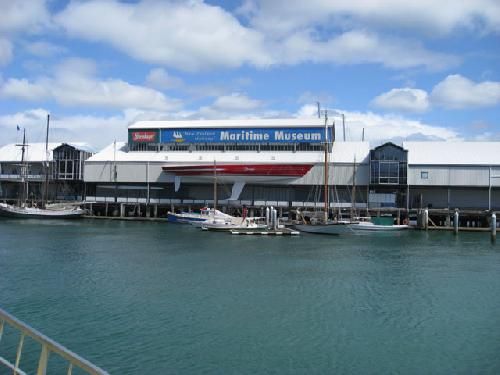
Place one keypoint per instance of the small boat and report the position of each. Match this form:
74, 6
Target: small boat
371, 227
247, 224
7, 210
348, 227
197, 217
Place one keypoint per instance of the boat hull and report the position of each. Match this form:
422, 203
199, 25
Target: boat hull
184, 218
240, 169
38, 213
348, 228
194, 218
230, 227
329, 228
368, 227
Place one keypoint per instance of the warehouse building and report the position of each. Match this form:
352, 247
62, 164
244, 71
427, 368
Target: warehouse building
65, 171
280, 162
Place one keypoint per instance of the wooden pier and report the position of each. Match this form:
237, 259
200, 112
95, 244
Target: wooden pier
269, 232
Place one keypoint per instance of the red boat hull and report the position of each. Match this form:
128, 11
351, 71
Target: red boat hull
284, 170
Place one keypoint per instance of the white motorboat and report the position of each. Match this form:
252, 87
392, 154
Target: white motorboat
248, 223
196, 218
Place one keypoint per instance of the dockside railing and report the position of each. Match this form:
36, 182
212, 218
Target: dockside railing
48, 346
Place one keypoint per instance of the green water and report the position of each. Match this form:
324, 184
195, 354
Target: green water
158, 298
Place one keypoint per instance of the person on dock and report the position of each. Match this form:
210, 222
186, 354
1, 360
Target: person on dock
244, 213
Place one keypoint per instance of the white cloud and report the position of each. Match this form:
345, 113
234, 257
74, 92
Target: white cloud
188, 35
27, 16
23, 89
360, 47
44, 49
98, 131
457, 92
429, 17
454, 92
196, 36
161, 79
5, 51
406, 100
74, 84
382, 128
236, 102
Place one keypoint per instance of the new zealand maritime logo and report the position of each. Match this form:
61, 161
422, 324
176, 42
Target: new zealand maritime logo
178, 137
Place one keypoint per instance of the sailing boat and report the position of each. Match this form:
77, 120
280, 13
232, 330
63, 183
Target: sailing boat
227, 223
206, 214
43, 212
339, 226
325, 226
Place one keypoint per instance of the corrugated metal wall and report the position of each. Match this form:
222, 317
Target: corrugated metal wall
136, 172
338, 175
452, 176
474, 198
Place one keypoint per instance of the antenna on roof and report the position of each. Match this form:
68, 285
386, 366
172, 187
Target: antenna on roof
343, 125
319, 110
363, 135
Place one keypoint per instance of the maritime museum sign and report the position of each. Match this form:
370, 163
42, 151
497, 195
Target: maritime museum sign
239, 135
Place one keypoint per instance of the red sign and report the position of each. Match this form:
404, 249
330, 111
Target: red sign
144, 136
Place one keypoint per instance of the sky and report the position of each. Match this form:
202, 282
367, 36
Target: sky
399, 70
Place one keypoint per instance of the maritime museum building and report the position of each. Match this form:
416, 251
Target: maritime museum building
281, 162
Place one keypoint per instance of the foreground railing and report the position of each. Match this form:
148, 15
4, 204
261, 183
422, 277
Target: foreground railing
48, 347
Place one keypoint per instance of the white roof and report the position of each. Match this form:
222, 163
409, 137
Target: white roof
235, 123
343, 152
35, 152
453, 153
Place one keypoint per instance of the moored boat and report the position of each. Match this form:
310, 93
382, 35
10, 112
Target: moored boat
248, 224
197, 217
46, 211
7, 210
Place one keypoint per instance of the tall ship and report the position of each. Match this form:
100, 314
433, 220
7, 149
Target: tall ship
23, 209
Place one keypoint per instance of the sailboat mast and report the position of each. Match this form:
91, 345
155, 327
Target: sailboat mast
326, 170
215, 186
23, 172
353, 192
46, 185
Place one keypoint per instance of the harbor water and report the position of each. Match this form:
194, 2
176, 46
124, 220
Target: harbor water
158, 298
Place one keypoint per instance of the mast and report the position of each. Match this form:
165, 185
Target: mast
23, 172
114, 171
215, 186
353, 191
46, 185
325, 187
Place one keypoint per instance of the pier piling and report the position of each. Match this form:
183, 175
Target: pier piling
455, 222
493, 227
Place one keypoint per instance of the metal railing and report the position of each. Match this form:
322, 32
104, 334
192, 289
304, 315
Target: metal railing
48, 346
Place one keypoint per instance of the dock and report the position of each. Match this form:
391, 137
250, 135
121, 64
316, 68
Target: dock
269, 232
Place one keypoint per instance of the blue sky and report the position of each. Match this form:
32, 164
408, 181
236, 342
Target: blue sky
400, 70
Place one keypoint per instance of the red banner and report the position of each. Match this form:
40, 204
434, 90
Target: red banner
144, 136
